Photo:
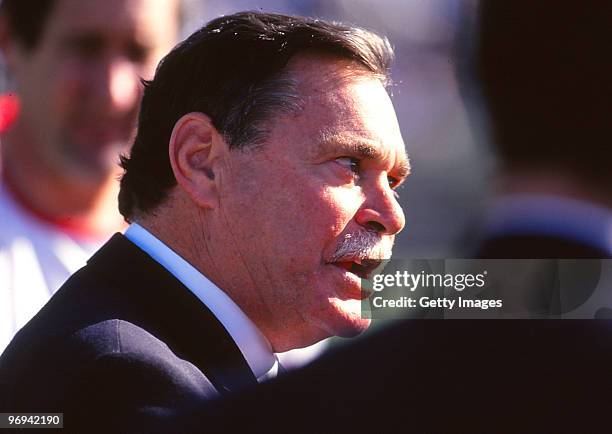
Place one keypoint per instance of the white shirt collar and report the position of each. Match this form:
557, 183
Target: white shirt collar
254, 346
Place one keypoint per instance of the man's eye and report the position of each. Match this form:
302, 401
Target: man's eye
393, 183
349, 163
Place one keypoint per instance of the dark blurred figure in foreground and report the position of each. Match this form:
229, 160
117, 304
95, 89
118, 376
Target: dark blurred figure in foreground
77, 67
546, 71
436, 376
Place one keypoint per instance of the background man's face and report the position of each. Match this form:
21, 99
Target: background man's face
80, 85
287, 206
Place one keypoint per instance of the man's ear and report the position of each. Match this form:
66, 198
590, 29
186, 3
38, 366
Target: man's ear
196, 149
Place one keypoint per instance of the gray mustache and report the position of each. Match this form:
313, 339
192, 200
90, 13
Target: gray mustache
364, 244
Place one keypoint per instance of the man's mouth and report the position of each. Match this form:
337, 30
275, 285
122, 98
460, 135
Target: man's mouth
360, 267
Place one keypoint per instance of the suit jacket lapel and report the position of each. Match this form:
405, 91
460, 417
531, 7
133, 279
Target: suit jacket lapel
171, 312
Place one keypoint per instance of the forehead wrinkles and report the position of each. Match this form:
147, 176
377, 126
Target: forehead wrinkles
336, 108
318, 73
346, 114
340, 104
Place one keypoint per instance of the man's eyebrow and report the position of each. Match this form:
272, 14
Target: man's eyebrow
354, 145
403, 167
360, 147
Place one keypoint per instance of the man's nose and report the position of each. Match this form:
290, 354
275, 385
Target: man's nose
381, 212
119, 86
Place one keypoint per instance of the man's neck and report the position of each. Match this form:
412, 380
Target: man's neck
81, 206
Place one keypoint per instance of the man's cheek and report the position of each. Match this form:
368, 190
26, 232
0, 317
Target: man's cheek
343, 203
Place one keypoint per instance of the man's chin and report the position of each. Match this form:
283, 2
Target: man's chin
350, 322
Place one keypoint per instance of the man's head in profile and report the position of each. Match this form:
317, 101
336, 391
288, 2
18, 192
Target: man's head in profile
267, 155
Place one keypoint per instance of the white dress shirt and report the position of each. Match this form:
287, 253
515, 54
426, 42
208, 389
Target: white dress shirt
254, 346
36, 258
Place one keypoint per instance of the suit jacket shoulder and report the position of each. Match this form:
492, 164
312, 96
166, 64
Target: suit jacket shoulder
123, 335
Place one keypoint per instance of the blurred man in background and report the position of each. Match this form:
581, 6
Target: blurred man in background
77, 65
545, 74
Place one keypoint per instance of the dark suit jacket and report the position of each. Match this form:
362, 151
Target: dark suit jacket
123, 337
536, 246
437, 376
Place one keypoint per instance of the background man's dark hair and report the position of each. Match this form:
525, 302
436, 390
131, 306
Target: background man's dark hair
231, 70
546, 70
27, 19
